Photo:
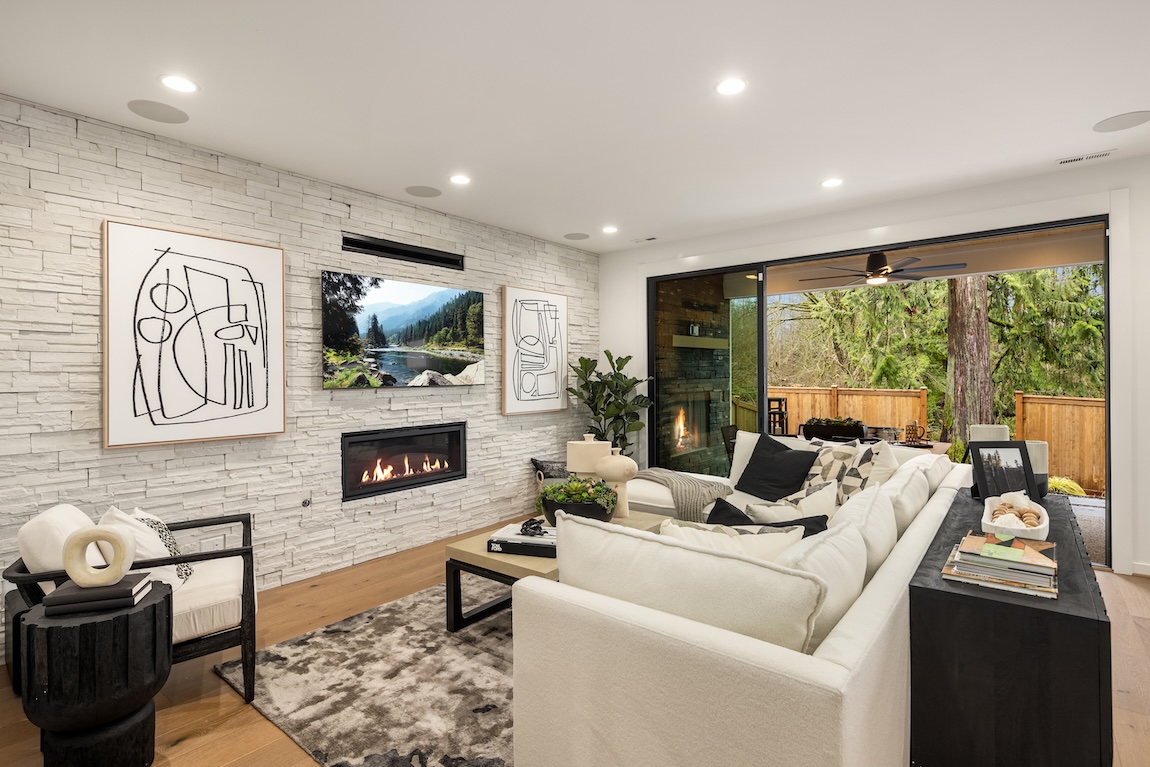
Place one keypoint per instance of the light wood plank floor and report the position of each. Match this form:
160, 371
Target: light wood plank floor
201, 722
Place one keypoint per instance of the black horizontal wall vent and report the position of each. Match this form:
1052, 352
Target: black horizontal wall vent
374, 246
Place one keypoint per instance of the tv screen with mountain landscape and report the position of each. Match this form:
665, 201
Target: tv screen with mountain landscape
384, 333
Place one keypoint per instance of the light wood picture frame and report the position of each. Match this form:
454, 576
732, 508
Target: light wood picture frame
193, 334
534, 351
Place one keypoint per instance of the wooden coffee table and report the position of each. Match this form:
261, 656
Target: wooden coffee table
471, 555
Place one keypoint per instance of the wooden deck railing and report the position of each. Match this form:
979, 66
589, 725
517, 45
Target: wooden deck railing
1074, 428
874, 407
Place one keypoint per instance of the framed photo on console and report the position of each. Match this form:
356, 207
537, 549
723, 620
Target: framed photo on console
1002, 467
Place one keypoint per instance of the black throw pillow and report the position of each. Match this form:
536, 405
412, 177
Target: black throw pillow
726, 513
550, 469
772, 473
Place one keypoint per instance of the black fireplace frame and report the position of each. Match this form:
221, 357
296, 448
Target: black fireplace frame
403, 483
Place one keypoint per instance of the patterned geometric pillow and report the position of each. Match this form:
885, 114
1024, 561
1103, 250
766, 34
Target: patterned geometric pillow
184, 570
872, 465
832, 461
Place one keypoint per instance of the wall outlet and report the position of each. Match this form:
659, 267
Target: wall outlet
215, 543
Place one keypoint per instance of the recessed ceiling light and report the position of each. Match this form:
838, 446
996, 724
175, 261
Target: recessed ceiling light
181, 84
831, 183
610, 229
1122, 122
731, 86
459, 178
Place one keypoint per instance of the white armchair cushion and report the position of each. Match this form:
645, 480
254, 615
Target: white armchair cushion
838, 558
210, 600
41, 540
873, 514
149, 544
730, 591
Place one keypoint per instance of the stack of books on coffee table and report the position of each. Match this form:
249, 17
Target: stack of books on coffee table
73, 598
1004, 562
510, 540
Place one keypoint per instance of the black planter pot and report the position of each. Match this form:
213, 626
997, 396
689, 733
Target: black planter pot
833, 431
590, 510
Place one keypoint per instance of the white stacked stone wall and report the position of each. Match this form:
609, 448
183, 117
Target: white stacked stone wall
62, 175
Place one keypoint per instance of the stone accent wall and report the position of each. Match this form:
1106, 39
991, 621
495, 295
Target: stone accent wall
683, 373
61, 175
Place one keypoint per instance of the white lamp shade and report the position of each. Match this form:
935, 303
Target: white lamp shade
1039, 453
582, 456
988, 432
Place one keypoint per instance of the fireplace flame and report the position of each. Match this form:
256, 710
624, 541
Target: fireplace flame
683, 438
383, 473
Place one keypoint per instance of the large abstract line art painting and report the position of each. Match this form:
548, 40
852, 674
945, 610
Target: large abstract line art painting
534, 351
194, 337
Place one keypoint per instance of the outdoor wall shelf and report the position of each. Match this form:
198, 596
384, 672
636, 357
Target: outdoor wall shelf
700, 342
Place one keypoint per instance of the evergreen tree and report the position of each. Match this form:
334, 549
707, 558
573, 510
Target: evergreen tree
341, 294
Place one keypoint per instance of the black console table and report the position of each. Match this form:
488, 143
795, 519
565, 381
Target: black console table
1002, 679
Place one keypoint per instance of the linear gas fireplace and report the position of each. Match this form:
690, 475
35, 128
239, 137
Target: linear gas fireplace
386, 460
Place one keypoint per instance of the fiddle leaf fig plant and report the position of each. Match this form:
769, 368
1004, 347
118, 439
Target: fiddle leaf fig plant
610, 396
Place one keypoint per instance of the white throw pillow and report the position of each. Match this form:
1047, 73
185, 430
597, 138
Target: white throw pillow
838, 558
41, 540
767, 544
935, 466
908, 493
873, 514
738, 593
745, 442
149, 541
813, 501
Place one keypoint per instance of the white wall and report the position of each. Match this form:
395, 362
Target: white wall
1120, 189
62, 175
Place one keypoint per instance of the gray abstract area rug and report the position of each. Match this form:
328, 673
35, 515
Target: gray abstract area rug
391, 687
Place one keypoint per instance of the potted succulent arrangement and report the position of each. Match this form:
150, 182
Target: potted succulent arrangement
834, 428
583, 497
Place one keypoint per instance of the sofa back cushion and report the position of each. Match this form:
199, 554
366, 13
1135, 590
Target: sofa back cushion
730, 591
811, 501
764, 543
935, 467
873, 514
908, 491
838, 558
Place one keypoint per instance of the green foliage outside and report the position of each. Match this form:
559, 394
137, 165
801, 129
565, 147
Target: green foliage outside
1047, 331
341, 295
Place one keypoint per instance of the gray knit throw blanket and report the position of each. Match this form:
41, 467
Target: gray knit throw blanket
689, 493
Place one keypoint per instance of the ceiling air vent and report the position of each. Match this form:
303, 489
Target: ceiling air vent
1086, 157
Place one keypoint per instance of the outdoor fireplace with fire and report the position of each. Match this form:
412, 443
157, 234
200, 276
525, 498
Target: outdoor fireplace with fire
690, 427
385, 460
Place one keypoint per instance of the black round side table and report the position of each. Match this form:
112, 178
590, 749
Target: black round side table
89, 679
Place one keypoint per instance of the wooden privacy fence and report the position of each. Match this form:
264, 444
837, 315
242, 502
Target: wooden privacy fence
874, 407
1075, 430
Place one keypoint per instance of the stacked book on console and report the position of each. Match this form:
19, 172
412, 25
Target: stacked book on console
510, 540
1004, 562
71, 598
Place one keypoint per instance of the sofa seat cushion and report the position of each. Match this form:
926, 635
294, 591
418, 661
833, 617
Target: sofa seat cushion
837, 558
41, 540
873, 514
654, 498
730, 591
210, 600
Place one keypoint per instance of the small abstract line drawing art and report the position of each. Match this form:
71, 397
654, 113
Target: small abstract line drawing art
194, 337
200, 332
535, 351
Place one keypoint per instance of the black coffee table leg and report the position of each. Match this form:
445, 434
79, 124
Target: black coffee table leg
457, 617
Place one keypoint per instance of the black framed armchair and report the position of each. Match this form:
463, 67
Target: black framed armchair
213, 610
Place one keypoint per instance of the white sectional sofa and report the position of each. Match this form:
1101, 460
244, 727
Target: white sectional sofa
604, 680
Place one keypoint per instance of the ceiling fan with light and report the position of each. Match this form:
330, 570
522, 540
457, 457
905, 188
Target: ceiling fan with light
877, 271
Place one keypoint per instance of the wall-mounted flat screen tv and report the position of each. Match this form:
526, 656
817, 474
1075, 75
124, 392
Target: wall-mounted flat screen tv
384, 333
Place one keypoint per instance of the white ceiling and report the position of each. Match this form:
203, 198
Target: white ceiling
571, 116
